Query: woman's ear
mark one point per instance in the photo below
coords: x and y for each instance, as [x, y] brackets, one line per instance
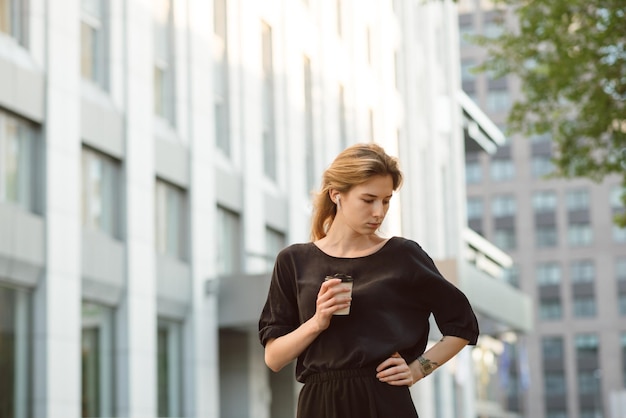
[332, 195]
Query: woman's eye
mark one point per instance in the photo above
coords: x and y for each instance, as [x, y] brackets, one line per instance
[385, 202]
[367, 201]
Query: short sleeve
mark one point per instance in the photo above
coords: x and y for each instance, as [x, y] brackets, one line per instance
[280, 313]
[450, 307]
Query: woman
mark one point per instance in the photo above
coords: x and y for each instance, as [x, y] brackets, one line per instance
[360, 365]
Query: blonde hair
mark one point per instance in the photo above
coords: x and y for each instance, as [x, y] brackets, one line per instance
[353, 166]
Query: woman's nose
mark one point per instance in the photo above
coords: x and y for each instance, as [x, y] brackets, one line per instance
[378, 209]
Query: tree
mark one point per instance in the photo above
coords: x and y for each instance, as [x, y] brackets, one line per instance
[570, 56]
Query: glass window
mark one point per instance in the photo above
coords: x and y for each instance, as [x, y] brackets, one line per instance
[267, 104]
[586, 344]
[220, 25]
[370, 118]
[505, 238]
[221, 79]
[554, 383]
[339, 17]
[101, 192]
[498, 100]
[473, 172]
[620, 275]
[582, 271]
[541, 165]
[616, 197]
[169, 368]
[544, 201]
[579, 234]
[550, 309]
[18, 162]
[619, 234]
[591, 412]
[97, 360]
[539, 138]
[493, 29]
[588, 382]
[621, 302]
[396, 68]
[15, 349]
[556, 413]
[473, 96]
[466, 70]
[274, 242]
[343, 130]
[368, 44]
[584, 306]
[502, 169]
[474, 207]
[228, 242]
[466, 31]
[308, 126]
[546, 236]
[164, 85]
[620, 268]
[503, 205]
[548, 273]
[623, 344]
[13, 19]
[511, 275]
[171, 227]
[221, 108]
[93, 42]
[552, 349]
[577, 199]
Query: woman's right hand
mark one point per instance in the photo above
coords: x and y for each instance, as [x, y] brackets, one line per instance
[331, 298]
[282, 350]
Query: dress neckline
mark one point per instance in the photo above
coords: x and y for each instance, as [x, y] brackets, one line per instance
[387, 241]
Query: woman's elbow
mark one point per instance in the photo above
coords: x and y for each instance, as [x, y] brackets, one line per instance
[272, 363]
[270, 360]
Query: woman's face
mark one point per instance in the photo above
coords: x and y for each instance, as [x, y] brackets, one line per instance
[364, 207]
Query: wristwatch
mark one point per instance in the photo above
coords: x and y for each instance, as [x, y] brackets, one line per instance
[426, 365]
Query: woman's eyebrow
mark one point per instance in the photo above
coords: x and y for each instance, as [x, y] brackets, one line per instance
[373, 195]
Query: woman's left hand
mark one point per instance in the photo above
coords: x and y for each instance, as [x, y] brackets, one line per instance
[395, 371]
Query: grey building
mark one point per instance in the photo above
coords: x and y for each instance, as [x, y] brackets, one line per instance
[568, 254]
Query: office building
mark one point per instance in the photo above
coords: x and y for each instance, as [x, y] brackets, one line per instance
[156, 155]
[568, 254]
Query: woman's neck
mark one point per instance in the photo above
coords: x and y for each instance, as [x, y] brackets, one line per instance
[342, 245]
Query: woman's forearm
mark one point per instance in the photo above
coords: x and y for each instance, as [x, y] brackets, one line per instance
[438, 354]
[283, 350]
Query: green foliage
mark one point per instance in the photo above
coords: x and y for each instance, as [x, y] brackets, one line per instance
[570, 56]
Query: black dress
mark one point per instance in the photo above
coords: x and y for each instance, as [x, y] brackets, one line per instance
[395, 290]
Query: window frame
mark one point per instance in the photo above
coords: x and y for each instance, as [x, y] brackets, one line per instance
[110, 188]
[98, 25]
[171, 239]
[26, 166]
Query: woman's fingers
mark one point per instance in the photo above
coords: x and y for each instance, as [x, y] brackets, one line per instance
[331, 295]
[331, 298]
[395, 371]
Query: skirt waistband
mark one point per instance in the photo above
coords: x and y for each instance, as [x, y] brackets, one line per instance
[341, 374]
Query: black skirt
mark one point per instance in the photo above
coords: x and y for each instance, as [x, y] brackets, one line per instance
[353, 394]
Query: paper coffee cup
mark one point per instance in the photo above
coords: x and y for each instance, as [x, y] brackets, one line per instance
[346, 281]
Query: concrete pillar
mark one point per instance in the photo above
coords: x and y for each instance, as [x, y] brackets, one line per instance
[136, 342]
[201, 341]
[57, 299]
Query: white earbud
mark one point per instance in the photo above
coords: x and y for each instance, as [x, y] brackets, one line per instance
[338, 202]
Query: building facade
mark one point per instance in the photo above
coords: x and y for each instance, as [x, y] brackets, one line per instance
[156, 155]
[568, 254]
